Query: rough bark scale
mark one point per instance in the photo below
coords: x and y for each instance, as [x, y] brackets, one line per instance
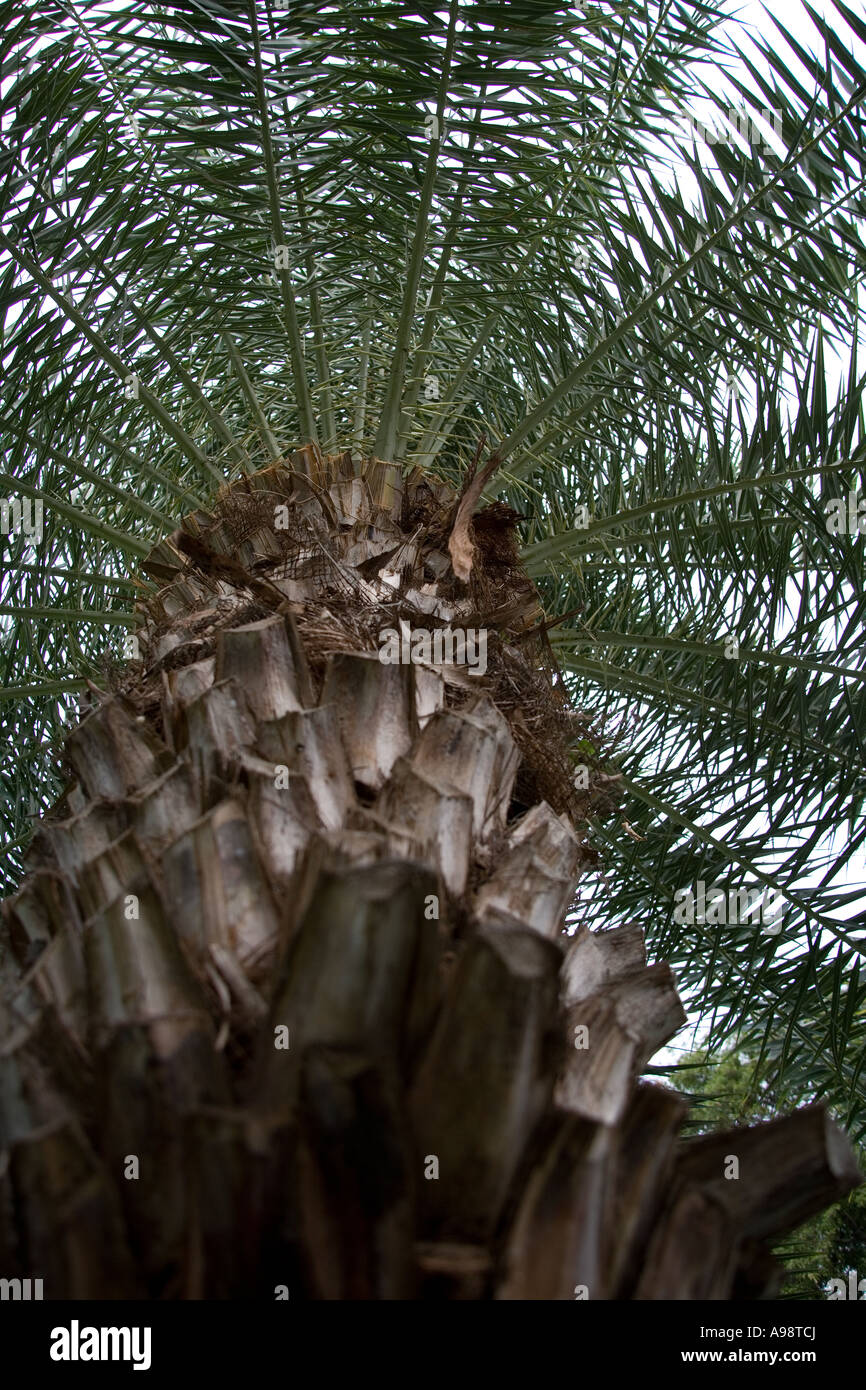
[271, 837]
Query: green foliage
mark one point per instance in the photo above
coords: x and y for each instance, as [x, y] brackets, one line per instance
[729, 1089]
[229, 227]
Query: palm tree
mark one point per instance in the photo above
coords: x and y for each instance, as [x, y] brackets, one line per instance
[321, 330]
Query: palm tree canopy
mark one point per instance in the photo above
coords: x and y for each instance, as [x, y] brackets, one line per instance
[423, 230]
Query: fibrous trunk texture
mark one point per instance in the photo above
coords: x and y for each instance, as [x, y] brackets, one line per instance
[288, 1008]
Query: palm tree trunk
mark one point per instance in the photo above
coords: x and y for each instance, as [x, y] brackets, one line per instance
[287, 1007]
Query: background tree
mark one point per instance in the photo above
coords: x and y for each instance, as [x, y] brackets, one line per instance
[728, 1090]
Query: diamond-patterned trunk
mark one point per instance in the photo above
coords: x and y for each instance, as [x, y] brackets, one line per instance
[287, 1002]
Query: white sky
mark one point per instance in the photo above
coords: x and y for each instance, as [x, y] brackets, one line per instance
[795, 18]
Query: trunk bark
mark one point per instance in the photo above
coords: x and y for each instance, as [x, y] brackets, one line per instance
[286, 1003]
